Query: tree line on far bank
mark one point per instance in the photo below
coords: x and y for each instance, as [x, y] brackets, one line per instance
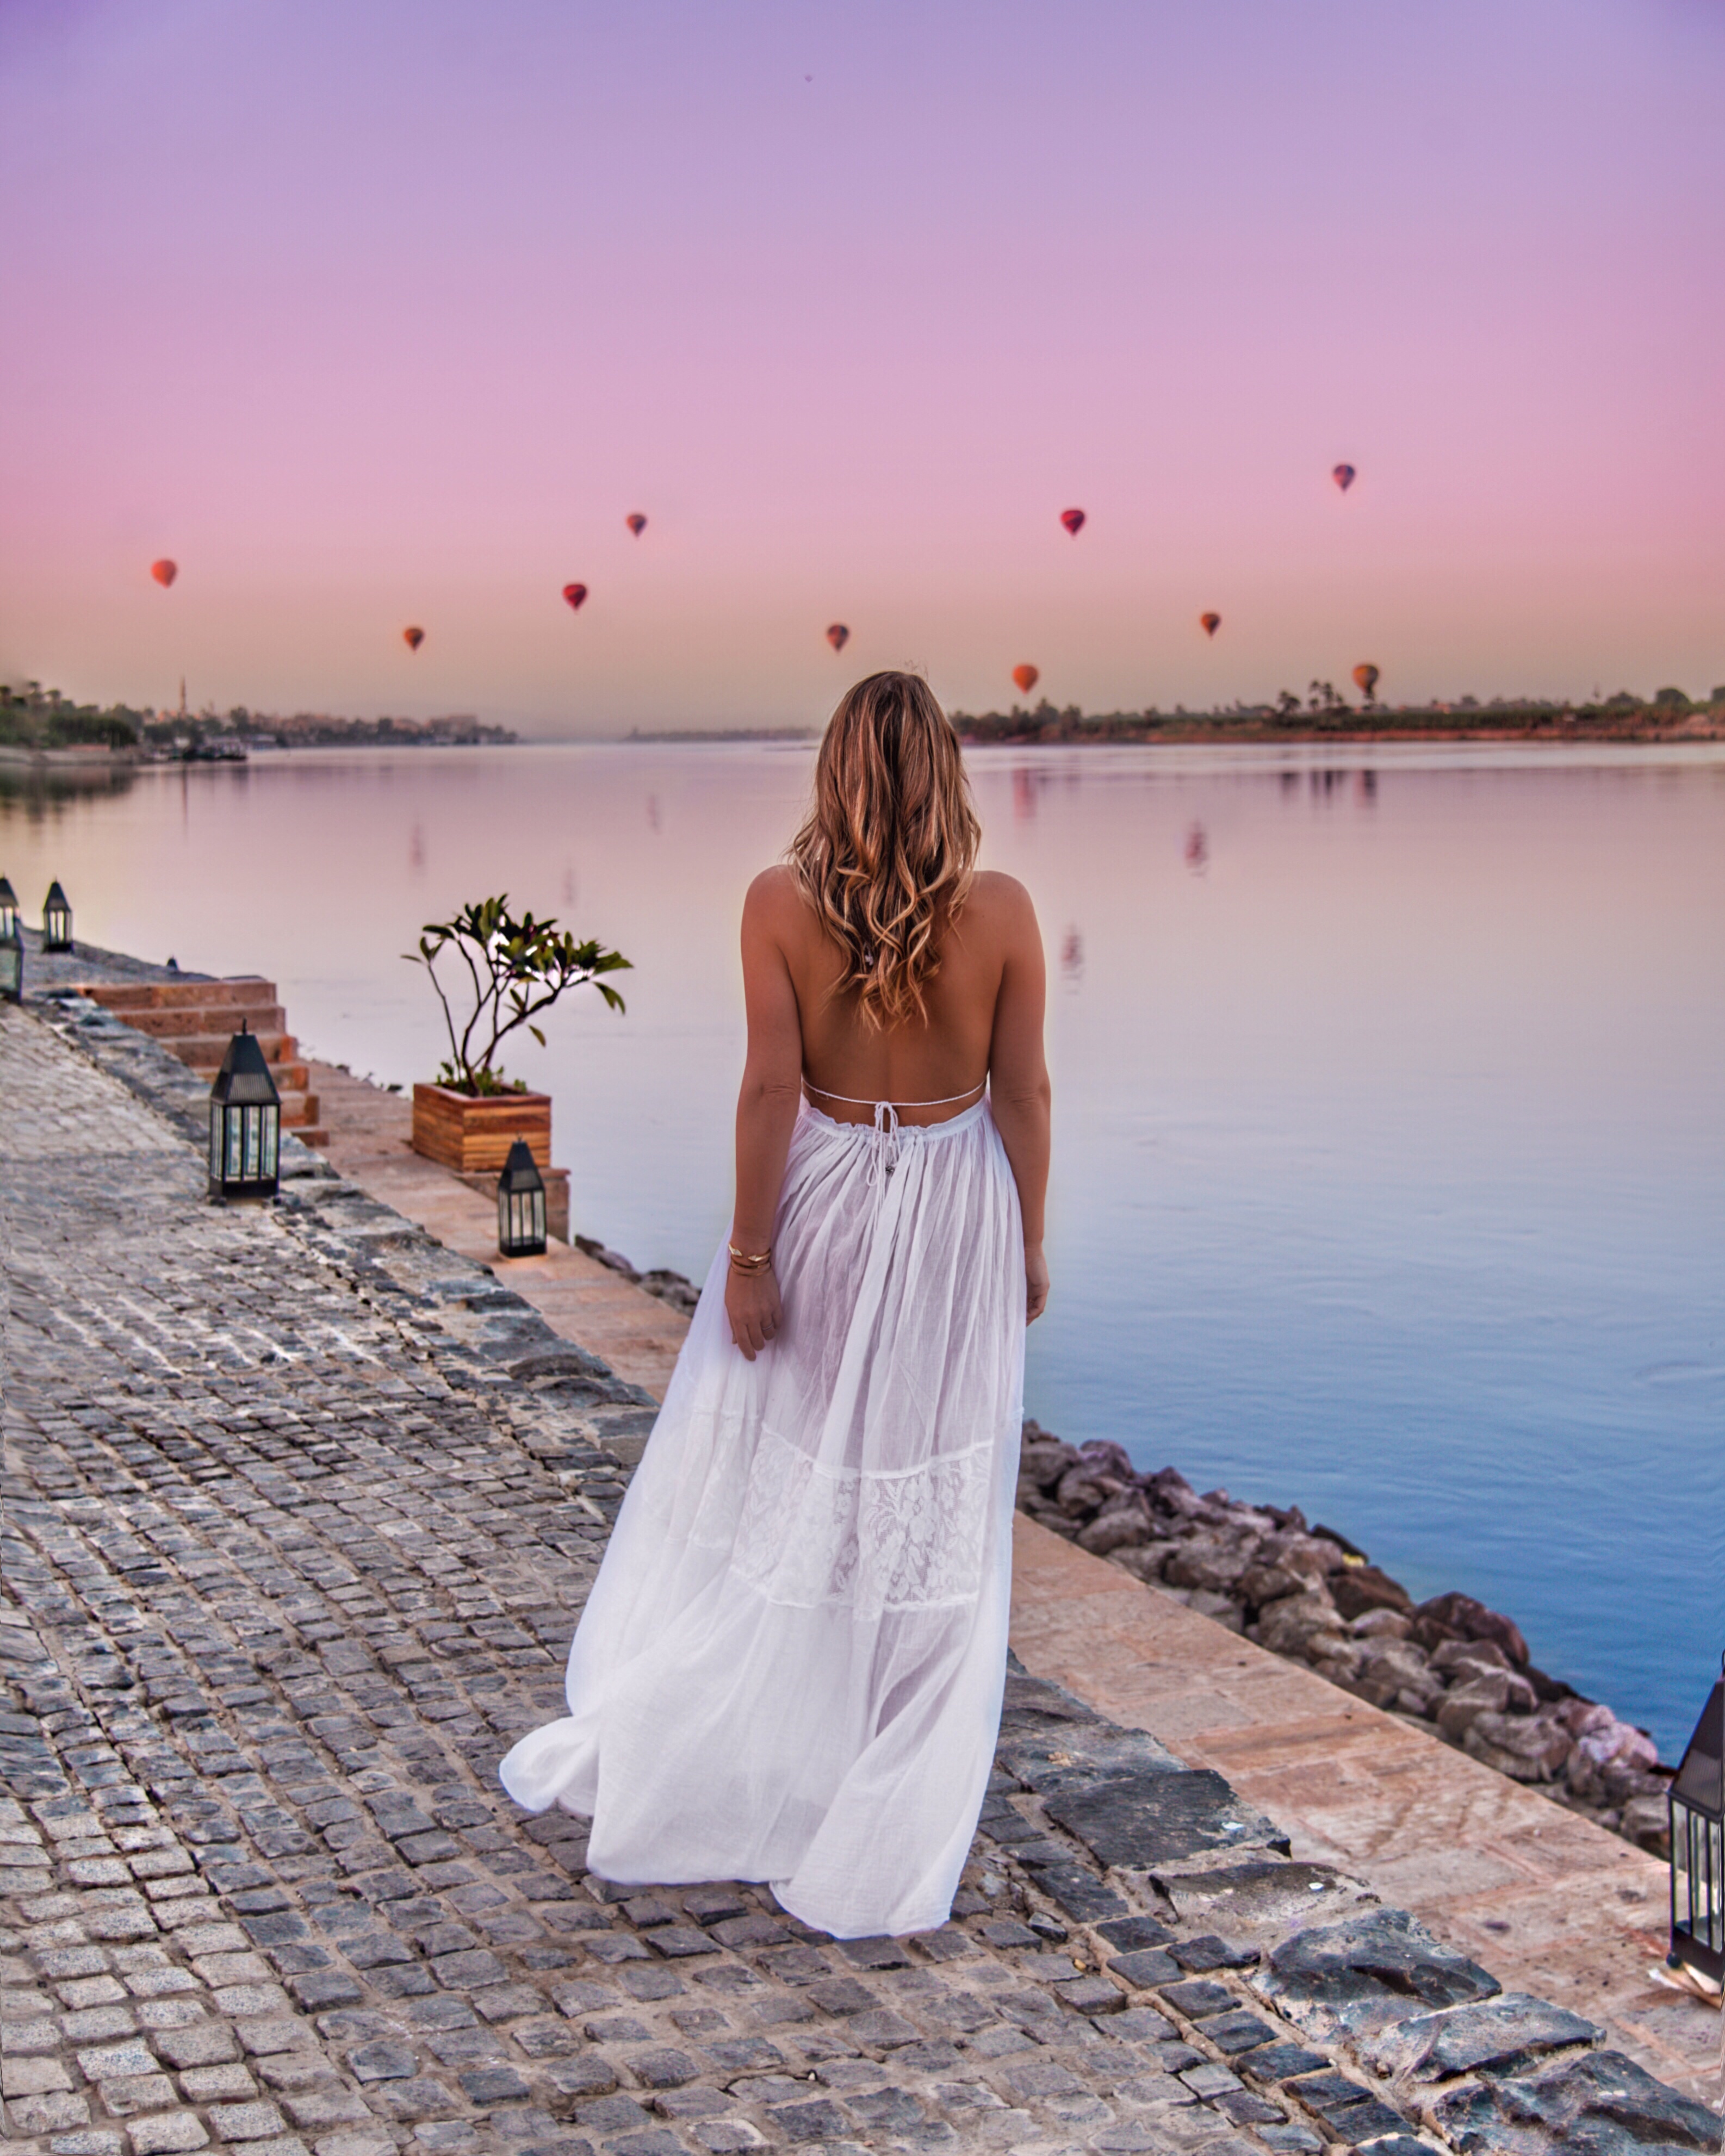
[34, 717]
[1324, 709]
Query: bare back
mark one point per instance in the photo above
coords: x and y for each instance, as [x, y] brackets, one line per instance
[984, 1006]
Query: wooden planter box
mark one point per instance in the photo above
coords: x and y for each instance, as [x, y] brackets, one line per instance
[474, 1136]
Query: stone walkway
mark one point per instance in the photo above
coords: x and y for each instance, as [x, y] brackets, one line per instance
[302, 1506]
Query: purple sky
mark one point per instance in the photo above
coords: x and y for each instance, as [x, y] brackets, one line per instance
[379, 311]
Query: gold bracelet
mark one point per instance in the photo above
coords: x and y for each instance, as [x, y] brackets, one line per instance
[743, 1262]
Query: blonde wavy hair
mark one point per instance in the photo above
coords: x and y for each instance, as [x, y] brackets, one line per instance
[887, 853]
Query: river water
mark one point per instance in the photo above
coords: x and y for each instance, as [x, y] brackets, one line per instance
[1389, 1152]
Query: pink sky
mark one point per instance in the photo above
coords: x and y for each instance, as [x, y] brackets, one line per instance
[379, 312]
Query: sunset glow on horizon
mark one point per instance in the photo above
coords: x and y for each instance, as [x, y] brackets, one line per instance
[385, 315]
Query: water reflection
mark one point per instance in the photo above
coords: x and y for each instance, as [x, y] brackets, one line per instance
[1198, 850]
[43, 793]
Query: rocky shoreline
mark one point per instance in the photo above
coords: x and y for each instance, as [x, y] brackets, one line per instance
[1449, 1665]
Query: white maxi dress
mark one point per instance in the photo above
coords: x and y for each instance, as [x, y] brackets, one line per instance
[791, 1664]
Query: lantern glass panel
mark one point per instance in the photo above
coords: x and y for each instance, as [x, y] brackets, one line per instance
[521, 1205]
[215, 1141]
[272, 1140]
[12, 968]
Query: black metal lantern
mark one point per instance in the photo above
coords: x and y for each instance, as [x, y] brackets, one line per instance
[11, 963]
[244, 1123]
[56, 919]
[1697, 1802]
[521, 1205]
[8, 908]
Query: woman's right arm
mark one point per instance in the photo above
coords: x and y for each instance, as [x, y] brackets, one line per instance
[1017, 1082]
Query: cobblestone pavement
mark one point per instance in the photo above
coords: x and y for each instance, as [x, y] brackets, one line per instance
[302, 1509]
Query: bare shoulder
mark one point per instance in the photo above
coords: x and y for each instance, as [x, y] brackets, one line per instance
[774, 900]
[775, 893]
[999, 906]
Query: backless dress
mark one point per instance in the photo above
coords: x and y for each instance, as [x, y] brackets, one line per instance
[790, 1666]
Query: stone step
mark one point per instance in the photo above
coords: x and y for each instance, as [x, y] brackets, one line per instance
[299, 1111]
[207, 1021]
[245, 991]
[203, 1052]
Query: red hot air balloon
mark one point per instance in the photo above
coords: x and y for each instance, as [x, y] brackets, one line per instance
[1209, 623]
[575, 595]
[1026, 677]
[1073, 518]
[636, 522]
[1343, 476]
[412, 638]
[838, 635]
[164, 572]
[1365, 680]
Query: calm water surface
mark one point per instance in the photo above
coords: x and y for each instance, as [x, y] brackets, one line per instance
[1390, 1169]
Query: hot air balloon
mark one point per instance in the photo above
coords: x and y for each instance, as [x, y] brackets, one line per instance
[164, 572]
[1026, 677]
[838, 635]
[1073, 518]
[575, 594]
[412, 638]
[636, 522]
[1365, 680]
[1209, 623]
[1343, 476]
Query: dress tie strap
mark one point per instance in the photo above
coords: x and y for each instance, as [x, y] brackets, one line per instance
[885, 1151]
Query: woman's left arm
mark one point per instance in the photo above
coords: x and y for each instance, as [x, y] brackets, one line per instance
[766, 1106]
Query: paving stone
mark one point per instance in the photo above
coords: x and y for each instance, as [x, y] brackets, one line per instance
[167, 2132]
[1501, 2034]
[819, 2121]
[1355, 1976]
[1599, 2102]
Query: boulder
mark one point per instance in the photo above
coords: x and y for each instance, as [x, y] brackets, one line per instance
[1462, 1618]
[1288, 1626]
[1581, 1718]
[1382, 1625]
[1262, 1583]
[1121, 1523]
[1169, 1491]
[1210, 1561]
[1358, 1587]
[1609, 1757]
[1491, 1692]
[1455, 1655]
[1080, 1493]
[1528, 1748]
[1397, 1665]
[1312, 1556]
[1044, 1460]
[1334, 1655]
[1103, 1457]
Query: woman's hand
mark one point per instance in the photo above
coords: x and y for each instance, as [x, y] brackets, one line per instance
[752, 1306]
[1035, 1282]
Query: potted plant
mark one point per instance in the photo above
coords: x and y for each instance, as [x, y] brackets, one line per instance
[516, 969]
